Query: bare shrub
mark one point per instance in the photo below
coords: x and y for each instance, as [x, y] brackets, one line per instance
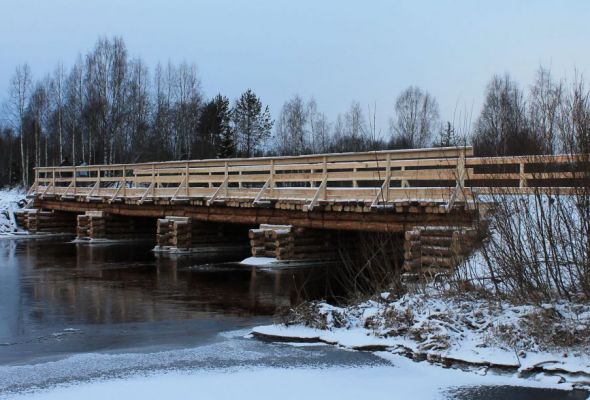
[307, 314]
[369, 263]
[539, 247]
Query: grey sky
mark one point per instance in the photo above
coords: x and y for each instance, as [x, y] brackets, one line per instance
[336, 51]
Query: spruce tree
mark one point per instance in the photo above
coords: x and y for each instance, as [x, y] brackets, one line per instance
[224, 141]
[252, 123]
[215, 126]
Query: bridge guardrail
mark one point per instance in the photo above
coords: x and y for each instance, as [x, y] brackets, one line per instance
[440, 175]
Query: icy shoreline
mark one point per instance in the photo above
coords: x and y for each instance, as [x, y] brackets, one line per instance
[451, 332]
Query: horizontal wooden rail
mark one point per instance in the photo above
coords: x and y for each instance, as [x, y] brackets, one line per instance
[443, 175]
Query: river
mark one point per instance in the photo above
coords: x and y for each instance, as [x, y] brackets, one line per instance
[74, 313]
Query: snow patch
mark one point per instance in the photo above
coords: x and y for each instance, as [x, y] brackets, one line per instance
[258, 261]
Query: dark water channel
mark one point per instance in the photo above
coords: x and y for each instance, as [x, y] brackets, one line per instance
[72, 312]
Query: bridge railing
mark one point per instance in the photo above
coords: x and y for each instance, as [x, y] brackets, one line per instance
[437, 175]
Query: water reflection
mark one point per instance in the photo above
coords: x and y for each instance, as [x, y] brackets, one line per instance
[126, 282]
[50, 286]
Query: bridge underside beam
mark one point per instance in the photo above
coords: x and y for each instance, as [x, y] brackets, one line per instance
[385, 221]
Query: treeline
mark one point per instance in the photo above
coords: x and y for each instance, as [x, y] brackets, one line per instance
[109, 108]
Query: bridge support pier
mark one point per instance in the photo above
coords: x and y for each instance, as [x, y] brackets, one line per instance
[429, 251]
[40, 221]
[285, 243]
[174, 233]
[184, 234]
[102, 225]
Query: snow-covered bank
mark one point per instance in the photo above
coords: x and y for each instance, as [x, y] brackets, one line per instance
[10, 201]
[528, 340]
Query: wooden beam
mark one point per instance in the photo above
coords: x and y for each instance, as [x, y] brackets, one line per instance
[459, 191]
[221, 187]
[257, 199]
[383, 192]
[46, 189]
[68, 188]
[321, 192]
[144, 195]
[113, 197]
[89, 195]
[184, 180]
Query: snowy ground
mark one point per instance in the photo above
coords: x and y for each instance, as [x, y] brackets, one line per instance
[400, 382]
[9, 202]
[453, 331]
[253, 370]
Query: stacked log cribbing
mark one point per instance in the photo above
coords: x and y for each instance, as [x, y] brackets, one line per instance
[284, 242]
[271, 241]
[429, 251]
[174, 232]
[41, 221]
[99, 225]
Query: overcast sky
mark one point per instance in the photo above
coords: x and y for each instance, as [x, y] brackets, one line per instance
[335, 51]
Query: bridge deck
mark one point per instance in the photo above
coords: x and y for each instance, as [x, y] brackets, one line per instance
[372, 178]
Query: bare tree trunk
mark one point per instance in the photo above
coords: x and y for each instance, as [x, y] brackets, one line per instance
[22, 157]
[74, 146]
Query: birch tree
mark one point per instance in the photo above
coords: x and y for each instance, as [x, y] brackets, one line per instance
[544, 101]
[502, 127]
[292, 128]
[19, 91]
[57, 95]
[416, 119]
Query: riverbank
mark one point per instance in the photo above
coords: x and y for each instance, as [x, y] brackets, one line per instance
[10, 200]
[531, 342]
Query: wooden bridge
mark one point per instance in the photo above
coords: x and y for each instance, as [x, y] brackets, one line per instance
[381, 191]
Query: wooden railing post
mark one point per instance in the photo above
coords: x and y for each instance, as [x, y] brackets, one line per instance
[458, 192]
[98, 181]
[271, 181]
[226, 178]
[74, 179]
[387, 178]
[153, 179]
[325, 178]
[53, 179]
[404, 182]
[124, 183]
[461, 170]
[187, 174]
[522, 176]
